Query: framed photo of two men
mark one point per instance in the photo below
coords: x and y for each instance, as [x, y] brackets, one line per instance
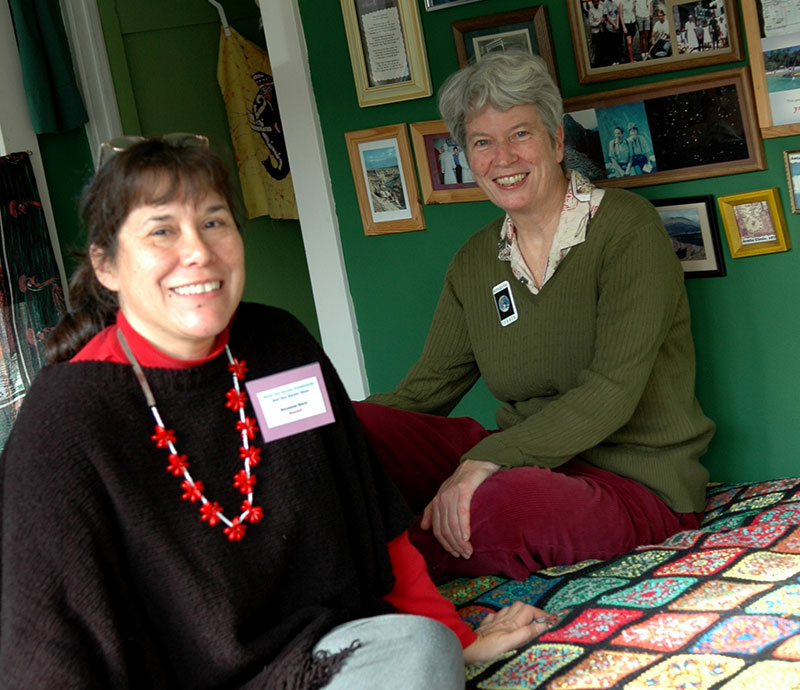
[614, 39]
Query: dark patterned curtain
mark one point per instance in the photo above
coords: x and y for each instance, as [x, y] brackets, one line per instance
[31, 295]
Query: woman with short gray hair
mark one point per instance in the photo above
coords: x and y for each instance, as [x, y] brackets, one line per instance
[572, 308]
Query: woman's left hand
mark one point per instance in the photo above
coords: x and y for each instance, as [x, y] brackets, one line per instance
[505, 630]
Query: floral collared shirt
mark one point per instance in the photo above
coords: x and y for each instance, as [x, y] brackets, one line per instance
[580, 205]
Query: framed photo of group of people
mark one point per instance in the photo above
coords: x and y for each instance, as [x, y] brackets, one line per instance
[680, 129]
[626, 38]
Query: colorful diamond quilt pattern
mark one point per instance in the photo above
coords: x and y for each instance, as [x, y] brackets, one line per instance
[650, 593]
[698, 672]
[665, 632]
[745, 634]
[532, 667]
[602, 669]
[717, 608]
[591, 626]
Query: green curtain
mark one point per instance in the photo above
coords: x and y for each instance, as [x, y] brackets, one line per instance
[54, 102]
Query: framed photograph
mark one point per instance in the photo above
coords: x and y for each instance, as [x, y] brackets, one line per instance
[526, 29]
[754, 223]
[380, 159]
[682, 129]
[444, 174]
[431, 5]
[387, 50]
[692, 226]
[792, 160]
[772, 28]
[612, 40]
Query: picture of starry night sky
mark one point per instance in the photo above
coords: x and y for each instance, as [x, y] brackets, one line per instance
[697, 128]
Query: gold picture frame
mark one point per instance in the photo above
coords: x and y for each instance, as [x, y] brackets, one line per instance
[754, 223]
[792, 161]
[387, 51]
[599, 59]
[441, 182]
[383, 173]
[782, 105]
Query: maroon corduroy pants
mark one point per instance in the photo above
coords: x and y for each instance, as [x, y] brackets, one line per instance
[522, 519]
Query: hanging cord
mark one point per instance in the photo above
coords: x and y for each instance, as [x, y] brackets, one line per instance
[222, 17]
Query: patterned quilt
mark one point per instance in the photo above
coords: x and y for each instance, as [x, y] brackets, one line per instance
[717, 607]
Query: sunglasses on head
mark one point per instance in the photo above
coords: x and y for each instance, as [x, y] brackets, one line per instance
[110, 148]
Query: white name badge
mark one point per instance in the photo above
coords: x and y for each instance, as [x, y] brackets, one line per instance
[291, 402]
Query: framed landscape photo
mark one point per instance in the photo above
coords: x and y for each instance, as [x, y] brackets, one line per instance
[754, 223]
[387, 50]
[612, 40]
[792, 160]
[431, 5]
[681, 129]
[692, 226]
[526, 29]
[444, 174]
[772, 28]
[388, 200]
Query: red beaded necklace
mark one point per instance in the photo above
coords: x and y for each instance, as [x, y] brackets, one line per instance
[178, 466]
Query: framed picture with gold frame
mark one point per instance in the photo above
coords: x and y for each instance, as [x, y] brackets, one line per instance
[792, 160]
[754, 223]
[675, 35]
[525, 29]
[388, 199]
[444, 174]
[387, 50]
[773, 45]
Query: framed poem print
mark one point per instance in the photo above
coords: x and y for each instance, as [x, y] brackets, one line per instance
[525, 29]
[792, 160]
[387, 50]
[615, 40]
[380, 159]
[692, 226]
[772, 28]
[444, 174]
[754, 223]
[431, 5]
[682, 129]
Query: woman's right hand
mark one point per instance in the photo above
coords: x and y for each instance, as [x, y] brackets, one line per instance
[505, 630]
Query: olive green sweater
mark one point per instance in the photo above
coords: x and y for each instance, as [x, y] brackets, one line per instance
[599, 365]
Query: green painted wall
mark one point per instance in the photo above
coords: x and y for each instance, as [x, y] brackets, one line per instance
[164, 63]
[746, 326]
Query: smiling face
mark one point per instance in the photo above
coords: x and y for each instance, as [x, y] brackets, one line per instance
[513, 159]
[178, 271]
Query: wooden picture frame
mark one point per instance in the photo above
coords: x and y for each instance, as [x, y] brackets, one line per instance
[444, 176]
[526, 29]
[754, 223]
[697, 127]
[431, 5]
[388, 199]
[778, 106]
[387, 50]
[692, 226]
[605, 54]
[792, 162]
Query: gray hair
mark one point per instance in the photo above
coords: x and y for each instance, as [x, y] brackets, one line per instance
[501, 80]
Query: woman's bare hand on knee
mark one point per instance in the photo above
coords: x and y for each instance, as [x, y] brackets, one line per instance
[507, 629]
[448, 513]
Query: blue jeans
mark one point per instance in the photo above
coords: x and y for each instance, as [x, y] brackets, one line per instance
[397, 652]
